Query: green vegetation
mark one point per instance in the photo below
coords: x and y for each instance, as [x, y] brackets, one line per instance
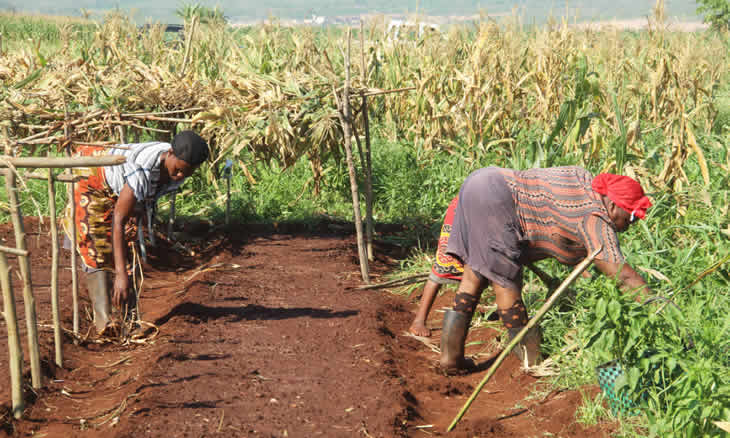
[716, 13]
[655, 105]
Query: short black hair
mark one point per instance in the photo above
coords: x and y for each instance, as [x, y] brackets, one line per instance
[190, 147]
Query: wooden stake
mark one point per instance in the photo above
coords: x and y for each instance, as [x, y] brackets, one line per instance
[369, 227]
[15, 353]
[345, 116]
[62, 178]
[72, 238]
[61, 162]
[74, 269]
[57, 330]
[28, 298]
[531, 323]
[14, 251]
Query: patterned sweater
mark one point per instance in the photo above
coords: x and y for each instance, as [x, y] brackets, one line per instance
[561, 216]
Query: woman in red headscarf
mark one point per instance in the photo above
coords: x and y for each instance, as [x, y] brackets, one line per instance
[507, 218]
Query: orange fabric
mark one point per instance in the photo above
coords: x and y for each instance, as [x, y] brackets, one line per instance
[446, 266]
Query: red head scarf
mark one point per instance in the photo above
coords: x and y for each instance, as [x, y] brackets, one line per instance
[624, 192]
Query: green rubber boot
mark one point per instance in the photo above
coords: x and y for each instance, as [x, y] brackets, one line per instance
[98, 285]
[453, 335]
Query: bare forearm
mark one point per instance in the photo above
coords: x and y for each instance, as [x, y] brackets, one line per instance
[119, 245]
[629, 280]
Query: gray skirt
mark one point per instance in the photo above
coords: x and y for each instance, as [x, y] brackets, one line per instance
[486, 233]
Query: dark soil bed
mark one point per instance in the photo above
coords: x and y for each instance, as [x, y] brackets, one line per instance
[270, 340]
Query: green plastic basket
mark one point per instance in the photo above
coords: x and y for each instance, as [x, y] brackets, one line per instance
[608, 374]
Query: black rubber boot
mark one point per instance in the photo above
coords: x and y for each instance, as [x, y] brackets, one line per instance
[98, 285]
[528, 349]
[453, 335]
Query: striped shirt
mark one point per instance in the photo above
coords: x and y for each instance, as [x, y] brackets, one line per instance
[141, 171]
[561, 216]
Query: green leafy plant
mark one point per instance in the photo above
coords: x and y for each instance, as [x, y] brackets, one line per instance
[716, 13]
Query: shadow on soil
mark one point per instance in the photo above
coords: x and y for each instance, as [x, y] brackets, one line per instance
[203, 313]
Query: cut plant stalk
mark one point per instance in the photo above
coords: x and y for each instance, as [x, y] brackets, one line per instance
[61, 162]
[531, 323]
[15, 352]
[369, 227]
[57, 330]
[345, 116]
[28, 298]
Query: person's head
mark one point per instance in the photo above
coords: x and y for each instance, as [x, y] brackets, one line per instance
[623, 197]
[188, 152]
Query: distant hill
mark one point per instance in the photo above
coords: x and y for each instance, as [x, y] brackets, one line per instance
[246, 10]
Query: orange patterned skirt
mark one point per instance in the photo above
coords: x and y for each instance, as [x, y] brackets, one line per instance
[446, 269]
[91, 210]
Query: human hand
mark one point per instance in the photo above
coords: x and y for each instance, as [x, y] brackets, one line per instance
[121, 288]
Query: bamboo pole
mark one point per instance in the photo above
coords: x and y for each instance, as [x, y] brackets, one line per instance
[531, 323]
[28, 298]
[57, 336]
[346, 119]
[74, 268]
[62, 178]
[15, 353]
[61, 162]
[369, 229]
[14, 251]
[72, 238]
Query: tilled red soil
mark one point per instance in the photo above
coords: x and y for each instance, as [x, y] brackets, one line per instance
[263, 334]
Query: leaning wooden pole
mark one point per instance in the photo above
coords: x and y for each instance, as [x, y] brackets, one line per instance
[57, 334]
[531, 323]
[346, 119]
[15, 352]
[28, 298]
[369, 226]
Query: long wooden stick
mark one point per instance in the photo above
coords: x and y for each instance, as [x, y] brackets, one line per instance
[62, 178]
[57, 333]
[531, 323]
[369, 225]
[346, 119]
[28, 298]
[62, 162]
[14, 251]
[15, 353]
[72, 237]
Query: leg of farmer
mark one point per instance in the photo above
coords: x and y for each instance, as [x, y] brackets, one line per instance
[513, 313]
[445, 270]
[418, 326]
[97, 283]
[457, 320]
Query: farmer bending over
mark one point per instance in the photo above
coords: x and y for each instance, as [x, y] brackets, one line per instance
[507, 218]
[106, 197]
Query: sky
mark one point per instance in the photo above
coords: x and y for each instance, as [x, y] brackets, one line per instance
[244, 10]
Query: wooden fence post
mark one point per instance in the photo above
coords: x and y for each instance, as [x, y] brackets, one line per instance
[15, 352]
[369, 226]
[57, 335]
[74, 271]
[345, 116]
[28, 298]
